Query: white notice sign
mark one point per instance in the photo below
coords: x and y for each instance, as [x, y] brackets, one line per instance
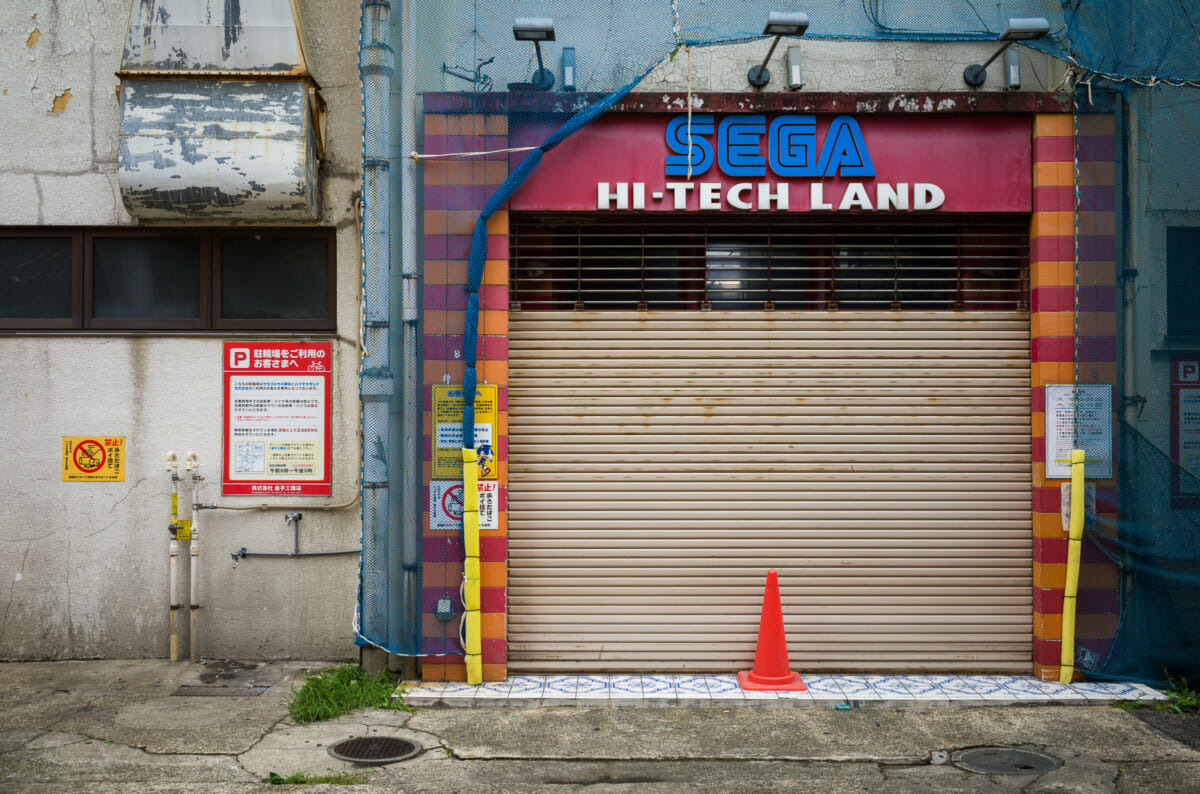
[1080, 415]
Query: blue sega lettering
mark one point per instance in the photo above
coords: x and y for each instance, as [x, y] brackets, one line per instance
[791, 146]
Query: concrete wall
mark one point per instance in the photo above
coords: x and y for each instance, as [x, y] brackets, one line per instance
[83, 566]
[849, 66]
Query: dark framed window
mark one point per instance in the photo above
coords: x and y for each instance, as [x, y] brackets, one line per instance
[168, 279]
[1183, 281]
[670, 261]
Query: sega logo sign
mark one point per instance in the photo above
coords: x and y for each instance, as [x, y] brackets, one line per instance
[792, 147]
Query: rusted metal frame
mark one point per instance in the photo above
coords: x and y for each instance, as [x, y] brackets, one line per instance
[865, 102]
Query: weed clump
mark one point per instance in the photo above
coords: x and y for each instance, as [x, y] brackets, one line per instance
[329, 694]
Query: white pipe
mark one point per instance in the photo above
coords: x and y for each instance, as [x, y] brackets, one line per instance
[194, 549]
[173, 555]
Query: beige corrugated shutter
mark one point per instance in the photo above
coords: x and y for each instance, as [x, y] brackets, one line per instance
[661, 462]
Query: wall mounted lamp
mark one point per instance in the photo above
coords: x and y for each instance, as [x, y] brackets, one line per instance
[536, 30]
[779, 24]
[1015, 29]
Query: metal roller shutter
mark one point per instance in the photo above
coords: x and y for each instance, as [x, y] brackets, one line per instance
[661, 461]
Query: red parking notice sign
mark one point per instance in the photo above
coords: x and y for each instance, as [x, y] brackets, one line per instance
[278, 410]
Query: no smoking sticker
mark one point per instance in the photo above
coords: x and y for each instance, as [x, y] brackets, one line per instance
[446, 505]
[93, 458]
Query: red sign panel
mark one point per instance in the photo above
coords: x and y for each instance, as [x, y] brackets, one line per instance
[798, 163]
[1185, 430]
[278, 411]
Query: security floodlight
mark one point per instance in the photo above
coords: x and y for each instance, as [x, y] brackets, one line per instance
[536, 30]
[779, 24]
[1015, 29]
[529, 29]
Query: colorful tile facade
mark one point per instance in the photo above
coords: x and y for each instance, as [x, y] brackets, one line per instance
[1057, 355]
[455, 191]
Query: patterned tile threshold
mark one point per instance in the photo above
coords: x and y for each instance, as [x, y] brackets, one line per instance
[827, 691]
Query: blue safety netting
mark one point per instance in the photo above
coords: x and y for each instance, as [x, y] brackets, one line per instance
[1155, 546]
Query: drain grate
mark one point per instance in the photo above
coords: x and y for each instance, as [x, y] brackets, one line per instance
[374, 750]
[219, 691]
[1005, 761]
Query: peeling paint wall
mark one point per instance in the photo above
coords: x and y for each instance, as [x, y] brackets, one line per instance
[83, 566]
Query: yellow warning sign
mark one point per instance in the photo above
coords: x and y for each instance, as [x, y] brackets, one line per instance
[448, 408]
[183, 530]
[93, 458]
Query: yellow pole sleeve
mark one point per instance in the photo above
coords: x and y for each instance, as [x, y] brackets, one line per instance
[472, 640]
[1067, 660]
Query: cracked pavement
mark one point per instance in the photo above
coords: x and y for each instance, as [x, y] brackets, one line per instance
[109, 726]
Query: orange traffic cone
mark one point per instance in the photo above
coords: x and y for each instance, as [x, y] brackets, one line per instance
[770, 657]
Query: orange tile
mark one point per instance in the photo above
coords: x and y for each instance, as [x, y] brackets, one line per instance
[494, 574]
[433, 672]
[1053, 174]
[437, 124]
[456, 672]
[437, 371]
[1052, 224]
[1051, 274]
[1097, 173]
[1097, 372]
[445, 322]
[1048, 372]
[456, 172]
[445, 271]
[1052, 324]
[1096, 124]
[1097, 576]
[1097, 223]
[1097, 273]
[501, 527]
[498, 223]
[1046, 672]
[435, 222]
[495, 672]
[1096, 627]
[493, 372]
[495, 271]
[502, 423]
[493, 322]
[1037, 420]
[1053, 125]
[1048, 525]
[440, 574]
[494, 124]
[492, 625]
[1047, 575]
[1047, 627]
[460, 222]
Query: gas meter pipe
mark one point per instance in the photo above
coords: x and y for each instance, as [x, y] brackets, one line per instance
[173, 555]
[194, 580]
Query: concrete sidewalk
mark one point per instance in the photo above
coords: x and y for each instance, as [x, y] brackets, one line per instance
[109, 726]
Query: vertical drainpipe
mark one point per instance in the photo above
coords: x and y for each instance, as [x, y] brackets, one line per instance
[379, 605]
[403, 448]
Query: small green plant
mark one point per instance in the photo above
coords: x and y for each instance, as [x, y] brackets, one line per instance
[1181, 699]
[334, 778]
[340, 690]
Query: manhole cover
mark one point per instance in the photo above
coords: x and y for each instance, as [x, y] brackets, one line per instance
[1005, 761]
[373, 750]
